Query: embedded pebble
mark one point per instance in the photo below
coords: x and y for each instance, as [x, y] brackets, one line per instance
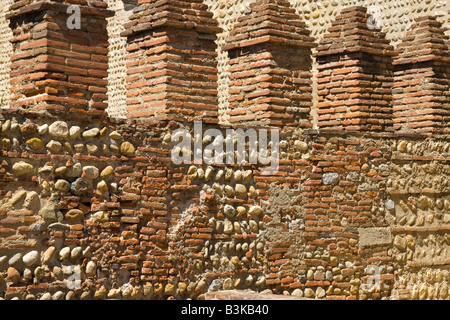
[107, 172]
[64, 253]
[255, 210]
[15, 259]
[13, 275]
[115, 135]
[76, 253]
[91, 268]
[17, 197]
[74, 215]
[102, 186]
[240, 190]
[229, 211]
[300, 145]
[330, 178]
[48, 254]
[34, 143]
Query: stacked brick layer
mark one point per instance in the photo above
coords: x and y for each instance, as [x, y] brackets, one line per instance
[270, 67]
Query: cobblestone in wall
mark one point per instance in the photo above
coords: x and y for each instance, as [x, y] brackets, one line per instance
[394, 18]
[417, 210]
[55, 67]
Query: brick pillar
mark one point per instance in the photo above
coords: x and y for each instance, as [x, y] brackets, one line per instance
[270, 67]
[421, 74]
[355, 75]
[55, 68]
[172, 61]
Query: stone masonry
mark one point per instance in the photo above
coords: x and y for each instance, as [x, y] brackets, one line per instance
[93, 206]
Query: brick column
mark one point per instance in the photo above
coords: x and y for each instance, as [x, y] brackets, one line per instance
[355, 75]
[347, 186]
[421, 74]
[270, 67]
[55, 68]
[172, 61]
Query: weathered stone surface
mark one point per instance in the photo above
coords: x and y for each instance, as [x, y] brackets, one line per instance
[400, 242]
[58, 129]
[42, 129]
[15, 259]
[374, 236]
[22, 168]
[91, 148]
[127, 149]
[62, 185]
[229, 211]
[90, 172]
[13, 275]
[28, 128]
[102, 186]
[100, 293]
[34, 143]
[59, 226]
[74, 132]
[64, 253]
[74, 171]
[81, 186]
[54, 146]
[292, 232]
[115, 135]
[103, 216]
[255, 211]
[17, 197]
[240, 210]
[300, 145]
[74, 215]
[91, 133]
[107, 172]
[6, 143]
[48, 254]
[309, 293]
[240, 190]
[91, 269]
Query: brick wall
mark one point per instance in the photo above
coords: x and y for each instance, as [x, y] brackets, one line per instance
[100, 200]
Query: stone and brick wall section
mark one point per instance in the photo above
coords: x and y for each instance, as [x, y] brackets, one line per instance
[99, 200]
